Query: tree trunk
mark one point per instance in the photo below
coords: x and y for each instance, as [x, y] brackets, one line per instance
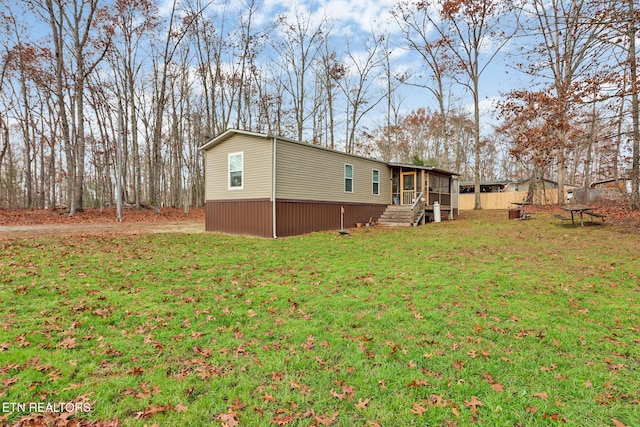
[80, 144]
[635, 164]
[590, 146]
[55, 22]
[476, 148]
[5, 136]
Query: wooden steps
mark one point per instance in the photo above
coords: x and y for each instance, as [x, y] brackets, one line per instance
[396, 216]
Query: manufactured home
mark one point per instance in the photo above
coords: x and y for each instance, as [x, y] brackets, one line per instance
[264, 185]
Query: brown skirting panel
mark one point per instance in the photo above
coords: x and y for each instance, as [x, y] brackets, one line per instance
[254, 217]
[303, 216]
[250, 217]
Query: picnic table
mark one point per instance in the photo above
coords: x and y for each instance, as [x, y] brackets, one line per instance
[577, 209]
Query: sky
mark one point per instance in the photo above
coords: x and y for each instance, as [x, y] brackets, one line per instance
[354, 20]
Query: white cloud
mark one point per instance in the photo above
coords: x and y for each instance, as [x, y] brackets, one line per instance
[347, 15]
[165, 7]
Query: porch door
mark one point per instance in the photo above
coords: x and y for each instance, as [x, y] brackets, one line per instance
[408, 187]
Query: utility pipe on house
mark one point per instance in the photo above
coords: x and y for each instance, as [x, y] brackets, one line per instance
[273, 190]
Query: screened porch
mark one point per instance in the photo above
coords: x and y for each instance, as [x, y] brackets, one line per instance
[410, 183]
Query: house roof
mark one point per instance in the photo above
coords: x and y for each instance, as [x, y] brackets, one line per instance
[494, 182]
[231, 132]
[508, 182]
[427, 168]
[566, 184]
[228, 134]
[607, 181]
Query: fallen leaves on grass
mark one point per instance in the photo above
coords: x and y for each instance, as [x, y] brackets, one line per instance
[145, 391]
[473, 404]
[152, 410]
[268, 398]
[228, 419]
[347, 391]
[418, 383]
[435, 400]
[497, 387]
[136, 371]
[202, 330]
[418, 409]
[554, 417]
[362, 404]
[68, 343]
[9, 381]
[326, 420]
[63, 415]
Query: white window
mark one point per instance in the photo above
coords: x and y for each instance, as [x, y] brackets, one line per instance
[236, 171]
[348, 178]
[375, 180]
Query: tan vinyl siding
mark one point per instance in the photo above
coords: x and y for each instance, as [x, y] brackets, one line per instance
[310, 173]
[257, 174]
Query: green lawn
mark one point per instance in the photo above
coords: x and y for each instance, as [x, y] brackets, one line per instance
[479, 320]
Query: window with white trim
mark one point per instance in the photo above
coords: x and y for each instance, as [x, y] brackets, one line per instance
[348, 178]
[236, 171]
[375, 181]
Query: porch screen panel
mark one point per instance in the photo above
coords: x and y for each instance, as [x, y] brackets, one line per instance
[434, 183]
[445, 191]
[395, 186]
[440, 190]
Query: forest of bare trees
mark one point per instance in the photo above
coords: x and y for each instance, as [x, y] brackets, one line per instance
[97, 92]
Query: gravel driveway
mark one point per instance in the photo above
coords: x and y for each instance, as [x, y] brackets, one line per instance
[25, 231]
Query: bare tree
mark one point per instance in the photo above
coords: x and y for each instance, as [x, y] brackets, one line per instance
[133, 22]
[298, 51]
[330, 71]
[635, 109]
[20, 56]
[474, 32]
[77, 54]
[384, 140]
[250, 43]
[417, 29]
[4, 137]
[175, 33]
[364, 69]
[209, 46]
[474, 24]
[569, 48]
[6, 22]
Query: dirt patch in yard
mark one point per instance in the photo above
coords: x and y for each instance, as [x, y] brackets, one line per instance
[25, 223]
